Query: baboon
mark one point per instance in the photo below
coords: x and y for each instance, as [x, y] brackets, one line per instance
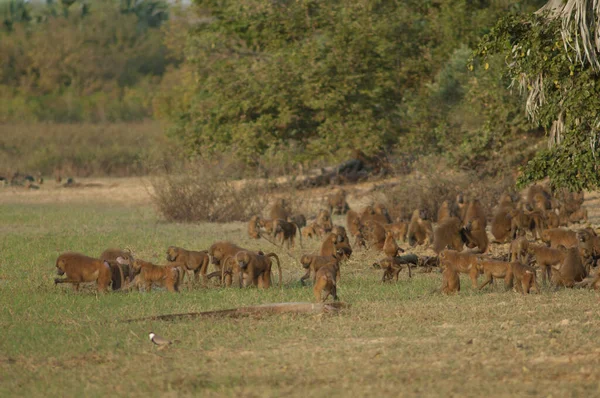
[374, 234]
[579, 215]
[419, 229]
[501, 224]
[390, 247]
[545, 257]
[393, 265]
[218, 253]
[195, 261]
[285, 232]
[450, 279]
[537, 195]
[494, 269]
[570, 270]
[324, 220]
[298, 219]
[475, 235]
[378, 213]
[592, 282]
[506, 201]
[332, 243]
[337, 202]
[257, 268]
[80, 268]
[448, 233]
[475, 212]
[353, 222]
[559, 236]
[541, 202]
[398, 230]
[524, 277]
[339, 230]
[519, 249]
[551, 219]
[443, 212]
[254, 227]
[279, 210]
[267, 225]
[120, 272]
[522, 221]
[325, 283]
[312, 231]
[148, 274]
[359, 241]
[465, 263]
[312, 263]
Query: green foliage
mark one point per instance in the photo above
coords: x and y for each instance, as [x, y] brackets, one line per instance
[564, 97]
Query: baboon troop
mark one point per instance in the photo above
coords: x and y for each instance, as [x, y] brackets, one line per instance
[527, 235]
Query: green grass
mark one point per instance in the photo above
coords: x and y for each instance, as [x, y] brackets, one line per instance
[396, 339]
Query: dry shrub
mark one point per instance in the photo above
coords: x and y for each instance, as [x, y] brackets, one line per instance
[433, 182]
[197, 192]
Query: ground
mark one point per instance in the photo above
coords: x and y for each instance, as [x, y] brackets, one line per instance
[397, 339]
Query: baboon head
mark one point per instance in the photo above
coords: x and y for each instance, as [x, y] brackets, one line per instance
[172, 253]
[305, 261]
[59, 269]
[243, 259]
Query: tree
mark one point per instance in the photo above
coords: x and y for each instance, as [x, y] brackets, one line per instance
[552, 56]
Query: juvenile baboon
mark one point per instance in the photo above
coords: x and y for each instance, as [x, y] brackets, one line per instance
[285, 232]
[279, 210]
[254, 227]
[195, 261]
[353, 222]
[559, 236]
[570, 270]
[551, 219]
[475, 235]
[374, 234]
[390, 247]
[393, 265]
[506, 201]
[545, 257]
[312, 263]
[325, 283]
[398, 230]
[120, 272]
[80, 269]
[465, 263]
[339, 230]
[448, 233]
[419, 229]
[443, 212]
[324, 220]
[298, 219]
[524, 277]
[519, 249]
[312, 231]
[450, 279]
[267, 225]
[337, 202]
[494, 269]
[256, 267]
[148, 274]
[522, 221]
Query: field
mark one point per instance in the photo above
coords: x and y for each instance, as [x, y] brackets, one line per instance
[395, 339]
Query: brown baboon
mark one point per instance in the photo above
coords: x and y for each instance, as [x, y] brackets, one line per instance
[505, 201]
[374, 234]
[501, 224]
[537, 195]
[148, 274]
[312, 263]
[475, 212]
[312, 231]
[256, 268]
[551, 219]
[475, 235]
[195, 261]
[337, 202]
[390, 247]
[298, 219]
[448, 233]
[522, 221]
[570, 270]
[377, 213]
[219, 252]
[279, 210]
[419, 229]
[559, 236]
[325, 282]
[80, 269]
[398, 230]
[443, 211]
[339, 230]
[324, 220]
[393, 265]
[465, 263]
[579, 215]
[592, 282]
[359, 241]
[519, 249]
[120, 273]
[541, 202]
[494, 269]
[253, 227]
[545, 257]
[332, 243]
[450, 279]
[353, 222]
[267, 225]
[285, 232]
[524, 277]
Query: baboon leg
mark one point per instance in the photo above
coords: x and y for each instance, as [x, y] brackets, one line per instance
[508, 281]
[488, 279]
[305, 277]
[473, 275]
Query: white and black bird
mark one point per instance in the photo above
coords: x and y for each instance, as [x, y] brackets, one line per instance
[159, 341]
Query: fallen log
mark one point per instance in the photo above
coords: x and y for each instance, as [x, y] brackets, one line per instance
[277, 308]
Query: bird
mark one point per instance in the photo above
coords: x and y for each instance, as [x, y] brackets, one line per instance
[159, 341]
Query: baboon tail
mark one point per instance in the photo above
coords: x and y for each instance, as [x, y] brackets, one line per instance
[278, 266]
[117, 276]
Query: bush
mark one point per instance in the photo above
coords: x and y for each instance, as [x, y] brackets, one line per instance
[201, 192]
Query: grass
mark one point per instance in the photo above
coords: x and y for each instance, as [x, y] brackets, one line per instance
[396, 339]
